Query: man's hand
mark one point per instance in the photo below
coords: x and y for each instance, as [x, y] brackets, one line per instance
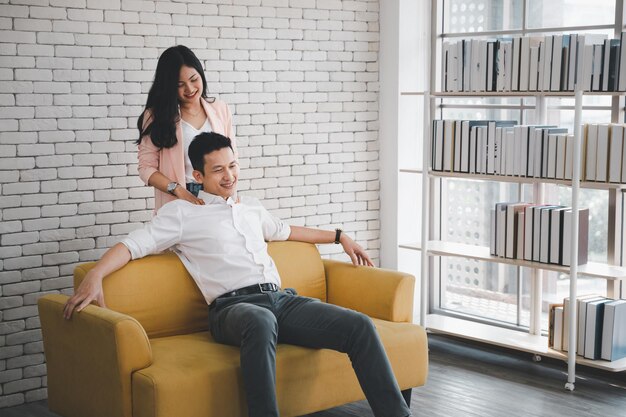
[89, 290]
[355, 251]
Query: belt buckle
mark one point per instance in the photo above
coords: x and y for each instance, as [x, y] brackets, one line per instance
[261, 288]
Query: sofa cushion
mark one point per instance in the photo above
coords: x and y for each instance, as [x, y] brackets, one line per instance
[193, 376]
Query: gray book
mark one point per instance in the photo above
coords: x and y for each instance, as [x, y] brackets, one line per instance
[593, 328]
[582, 323]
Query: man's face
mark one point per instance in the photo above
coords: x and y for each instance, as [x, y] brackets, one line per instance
[221, 172]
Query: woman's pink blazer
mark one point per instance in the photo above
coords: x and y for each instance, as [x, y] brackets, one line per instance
[171, 161]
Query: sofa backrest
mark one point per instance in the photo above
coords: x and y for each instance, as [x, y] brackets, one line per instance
[159, 293]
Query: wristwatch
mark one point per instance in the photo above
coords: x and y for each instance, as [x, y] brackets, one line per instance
[337, 235]
[171, 187]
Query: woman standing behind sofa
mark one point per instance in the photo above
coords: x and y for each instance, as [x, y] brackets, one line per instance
[176, 111]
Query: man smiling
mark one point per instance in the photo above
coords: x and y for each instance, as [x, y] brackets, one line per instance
[223, 246]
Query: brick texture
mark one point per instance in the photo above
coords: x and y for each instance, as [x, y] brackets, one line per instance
[301, 78]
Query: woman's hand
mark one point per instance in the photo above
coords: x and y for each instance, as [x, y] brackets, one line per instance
[89, 290]
[182, 193]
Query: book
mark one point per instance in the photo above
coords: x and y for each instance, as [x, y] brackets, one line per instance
[616, 139]
[533, 68]
[547, 65]
[508, 138]
[491, 66]
[596, 72]
[556, 235]
[528, 232]
[545, 230]
[444, 69]
[621, 84]
[593, 328]
[568, 172]
[512, 211]
[602, 153]
[582, 323]
[448, 144]
[437, 146]
[551, 156]
[613, 346]
[508, 64]
[613, 70]
[494, 233]
[467, 64]
[565, 52]
[583, 236]
[606, 59]
[520, 237]
[477, 63]
[501, 229]
[517, 46]
[524, 64]
[557, 57]
[566, 307]
[560, 156]
[572, 64]
[551, 316]
[558, 328]
[591, 140]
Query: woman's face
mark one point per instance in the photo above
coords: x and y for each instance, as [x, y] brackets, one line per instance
[189, 85]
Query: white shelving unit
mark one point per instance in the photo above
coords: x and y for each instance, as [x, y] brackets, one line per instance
[615, 276]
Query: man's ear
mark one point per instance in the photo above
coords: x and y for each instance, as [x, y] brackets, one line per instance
[197, 175]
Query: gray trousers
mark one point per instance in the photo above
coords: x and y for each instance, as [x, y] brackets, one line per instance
[256, 323]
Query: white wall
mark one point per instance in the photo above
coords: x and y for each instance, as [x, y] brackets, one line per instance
[301, 77]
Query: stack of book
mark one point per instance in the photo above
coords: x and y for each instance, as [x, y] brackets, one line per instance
[501, 148]
[600, 327]
[604, 153]
[531, 63]
[539, 233]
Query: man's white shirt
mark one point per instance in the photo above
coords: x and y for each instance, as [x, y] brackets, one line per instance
[222, 243]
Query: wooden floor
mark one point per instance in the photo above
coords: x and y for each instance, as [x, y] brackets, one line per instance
[475, 380]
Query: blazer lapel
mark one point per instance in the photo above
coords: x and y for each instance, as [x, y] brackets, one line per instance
[214, 119]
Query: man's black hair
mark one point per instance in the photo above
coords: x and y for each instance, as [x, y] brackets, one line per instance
[203, 144]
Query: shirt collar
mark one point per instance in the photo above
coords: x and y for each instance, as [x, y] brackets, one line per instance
[215, 199]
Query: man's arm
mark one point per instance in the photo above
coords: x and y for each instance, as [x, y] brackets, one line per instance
[353, 249]
[91, 287]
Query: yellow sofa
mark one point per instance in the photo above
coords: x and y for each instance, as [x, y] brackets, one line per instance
[150, 353]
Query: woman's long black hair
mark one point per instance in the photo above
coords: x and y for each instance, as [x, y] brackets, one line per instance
[163, 96]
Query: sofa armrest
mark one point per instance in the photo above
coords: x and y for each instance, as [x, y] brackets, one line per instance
[379, 293]
[91, 358]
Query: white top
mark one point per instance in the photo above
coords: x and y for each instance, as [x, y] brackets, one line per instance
[189, 133]
[222, 243]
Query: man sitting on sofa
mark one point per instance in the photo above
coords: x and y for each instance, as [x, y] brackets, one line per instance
[223, 246]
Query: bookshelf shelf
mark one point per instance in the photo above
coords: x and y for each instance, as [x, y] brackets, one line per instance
[505, 94]
[593, 269]
[523, 180]
[510, 339]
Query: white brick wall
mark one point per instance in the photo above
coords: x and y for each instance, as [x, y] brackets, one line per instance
[301, 77]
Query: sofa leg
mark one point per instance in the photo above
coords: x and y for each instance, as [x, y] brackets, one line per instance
[407, 396]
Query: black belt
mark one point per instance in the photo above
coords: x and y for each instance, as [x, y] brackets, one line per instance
[252, 289]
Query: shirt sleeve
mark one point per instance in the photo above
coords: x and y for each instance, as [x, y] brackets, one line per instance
[273, 228]
[161, 233]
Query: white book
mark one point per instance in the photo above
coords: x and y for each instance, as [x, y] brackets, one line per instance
[444, 68]
[528, 232]
[547, 68]
[566, 307]
[583, 236]
[533, 68]
[621, 82]
[597, 68]
[587, 67]
[460, 63]
[518, 155]
[498, 152]
[437, 145]
[602, 153]
[480, 149]
[560, 156]
[503, 152]
[457, 145]
[571, 65]
[491, 57]
[590, 152]
[517, 43]
[476, 65]
[615, 154]
[523, 155]
[493, 232]
[484, 62]
[557, 56]
[484, 133]
[530, 169]
[544, 246]
[552, 156]
[593, 328]
[524, 63]
[508, 136]
[606, 57]
[538, 152]
[613, 335]
[472, 151]
[448, 148]
[569, 157]
[541, 65]
[558, 328]
[582, 323]
[520, 235]
[508, 64]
